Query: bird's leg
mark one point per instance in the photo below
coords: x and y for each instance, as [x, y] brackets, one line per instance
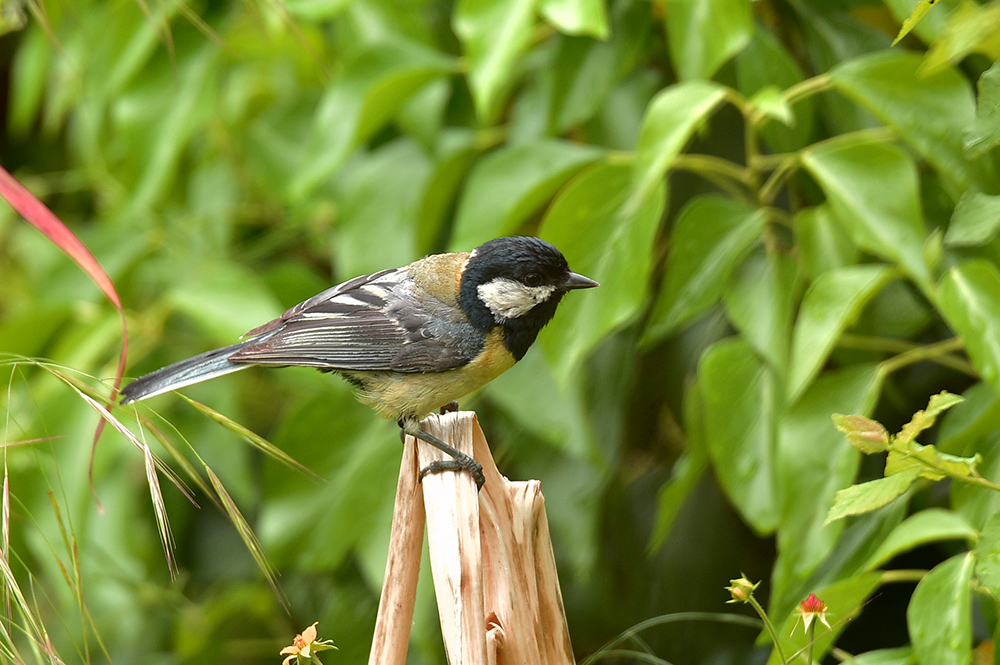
[460, 462]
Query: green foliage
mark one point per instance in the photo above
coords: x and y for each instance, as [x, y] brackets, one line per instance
[789, 217]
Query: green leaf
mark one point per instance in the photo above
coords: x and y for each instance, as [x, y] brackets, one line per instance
[976, 416]
[577, 17]
[940, 613]
[770, 102]
[844, 599]
[927, 526]
[739, 396]
[28, 68]
[987, 553]
[823, 245]
[866, 497]
[584, 222]
[971, 28]
[984, 133]
[976, 503]
[372, 88]
[550, 410]
[896, 656]
[671, 118]
[764, 68]
[969, 299]
[315, 10]
[760, 299]
[919, 12]
[318, 529]
[830, 305]
[813, 462]
[456, 153]
[583, 70]
[923, 420]
[704, 34]
[687, 471]
[710, 237]
[929, 461]
[975, 221]
[855, 177]
[191, 103]
[932, 23]
[865, 434]
[380, 194]
[890, 85]
[493, 34]
[512, 183]
[225, 299]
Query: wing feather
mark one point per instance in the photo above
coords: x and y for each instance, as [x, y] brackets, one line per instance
[378, 322]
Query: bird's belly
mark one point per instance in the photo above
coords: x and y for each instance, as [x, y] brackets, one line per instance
[399, 394]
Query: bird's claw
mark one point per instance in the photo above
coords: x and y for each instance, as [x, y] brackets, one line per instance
[466, 463]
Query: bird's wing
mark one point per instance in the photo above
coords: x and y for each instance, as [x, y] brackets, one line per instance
[374, 322]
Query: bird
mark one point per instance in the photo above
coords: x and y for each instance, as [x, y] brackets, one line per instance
[409, 340]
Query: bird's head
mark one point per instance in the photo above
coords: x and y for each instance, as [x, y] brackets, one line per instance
[516, 283]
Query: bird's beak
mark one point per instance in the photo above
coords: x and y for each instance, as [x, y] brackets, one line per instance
[575, 281]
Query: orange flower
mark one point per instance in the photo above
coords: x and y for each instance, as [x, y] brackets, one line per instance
[305, 646]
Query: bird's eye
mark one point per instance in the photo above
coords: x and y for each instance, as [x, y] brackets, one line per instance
[532, 279]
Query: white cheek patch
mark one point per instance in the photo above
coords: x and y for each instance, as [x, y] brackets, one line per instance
[509, 299]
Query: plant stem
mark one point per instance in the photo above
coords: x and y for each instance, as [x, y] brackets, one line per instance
[979, 480]
[770, 627]
[711, 164]
[776, 179]
[808, 88]
[936, 352]
[902, 575]
[720, 172]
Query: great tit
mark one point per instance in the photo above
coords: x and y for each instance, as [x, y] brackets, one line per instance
[409, 339]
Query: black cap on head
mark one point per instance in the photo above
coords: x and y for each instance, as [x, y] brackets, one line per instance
[529, 261]
[516, 257]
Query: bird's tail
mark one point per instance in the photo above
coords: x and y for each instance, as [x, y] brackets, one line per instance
[193, 370]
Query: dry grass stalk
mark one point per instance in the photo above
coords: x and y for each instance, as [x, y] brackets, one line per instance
[491, 558]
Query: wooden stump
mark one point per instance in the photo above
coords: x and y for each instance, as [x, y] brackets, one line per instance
[491, 559]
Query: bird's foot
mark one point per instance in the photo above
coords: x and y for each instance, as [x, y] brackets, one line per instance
[463, 463]
[460, 461]
[450, 407]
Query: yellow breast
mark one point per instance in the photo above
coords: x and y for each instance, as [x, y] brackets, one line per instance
[397, 394]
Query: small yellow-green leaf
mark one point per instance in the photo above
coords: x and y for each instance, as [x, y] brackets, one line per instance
[929, 461]
[925, 419]
[971, 28]
[919, 12]
[866, 497]
[771, 103]
[865, 434]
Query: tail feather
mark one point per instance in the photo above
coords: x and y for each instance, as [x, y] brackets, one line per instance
[193, 370]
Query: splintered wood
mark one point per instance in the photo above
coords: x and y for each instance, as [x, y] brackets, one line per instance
[491, 559]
